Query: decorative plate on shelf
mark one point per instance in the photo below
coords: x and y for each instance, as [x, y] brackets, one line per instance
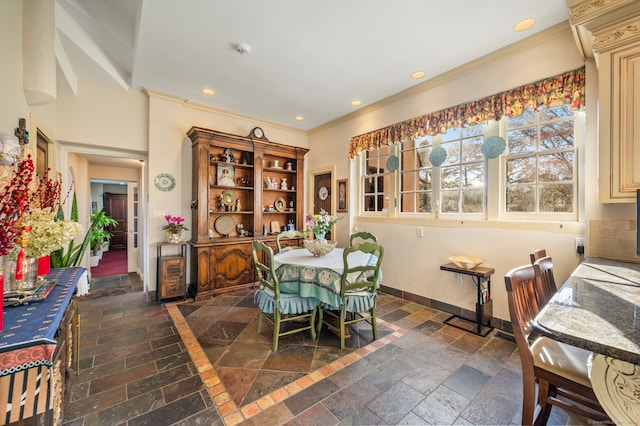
[165, 182]
[280, 204]
[224, 225]
[228, 197]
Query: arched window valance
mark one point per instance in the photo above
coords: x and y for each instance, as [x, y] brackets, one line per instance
[567, 88]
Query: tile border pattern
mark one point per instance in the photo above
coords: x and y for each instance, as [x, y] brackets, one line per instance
[228, 410]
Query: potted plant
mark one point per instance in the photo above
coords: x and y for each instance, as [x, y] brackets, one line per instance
[99, 234]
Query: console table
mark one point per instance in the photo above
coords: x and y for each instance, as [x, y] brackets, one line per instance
[484, 304]
[37, 345]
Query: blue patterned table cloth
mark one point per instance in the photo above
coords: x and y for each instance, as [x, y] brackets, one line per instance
[301, 272]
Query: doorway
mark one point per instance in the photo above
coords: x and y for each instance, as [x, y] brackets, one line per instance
[322, 194]
[86, 165]
[115, 206]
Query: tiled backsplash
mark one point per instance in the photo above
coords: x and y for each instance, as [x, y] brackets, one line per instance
[613, 239]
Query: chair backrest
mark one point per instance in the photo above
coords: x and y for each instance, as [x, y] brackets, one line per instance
[362, 277]
[362, 237]
[523, 308]
[537, 254]
[263, 259]
[288, 234]
[545, 282]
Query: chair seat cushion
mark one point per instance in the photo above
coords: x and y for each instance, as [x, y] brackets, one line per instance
[359, 301]
[289, 303]
[561, 359]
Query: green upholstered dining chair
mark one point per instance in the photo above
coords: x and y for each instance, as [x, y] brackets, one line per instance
[560, 370]
[280, 308]
[288, 234]
[358, 292]
[360, 237]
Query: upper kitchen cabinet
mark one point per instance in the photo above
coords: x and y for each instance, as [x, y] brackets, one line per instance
[609, 31]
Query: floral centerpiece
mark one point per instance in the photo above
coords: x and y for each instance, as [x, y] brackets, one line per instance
[320, 223]
[174, 227]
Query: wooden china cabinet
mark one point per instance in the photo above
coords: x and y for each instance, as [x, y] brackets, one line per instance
[243, 188]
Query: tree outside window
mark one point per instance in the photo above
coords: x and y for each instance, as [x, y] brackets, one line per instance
[540, 162]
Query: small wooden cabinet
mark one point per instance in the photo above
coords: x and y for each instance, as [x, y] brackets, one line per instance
[243, 189]
[171, 274]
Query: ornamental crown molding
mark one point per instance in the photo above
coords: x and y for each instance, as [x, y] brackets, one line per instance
[622, 35]
[600, 25]
[582, 11]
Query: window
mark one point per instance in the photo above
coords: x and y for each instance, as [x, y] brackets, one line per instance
[538, 171]
[376, 182]
[462, 179]
[416, 176]
[540, 162]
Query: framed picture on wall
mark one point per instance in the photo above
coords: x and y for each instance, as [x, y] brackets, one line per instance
[343, 195]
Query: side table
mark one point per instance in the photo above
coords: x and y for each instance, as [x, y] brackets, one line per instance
[484, 303]
[171, 278]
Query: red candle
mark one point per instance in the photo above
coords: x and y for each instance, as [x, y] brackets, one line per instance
[44, 265]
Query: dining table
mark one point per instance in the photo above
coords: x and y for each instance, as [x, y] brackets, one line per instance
[301, 272]
[598, 309]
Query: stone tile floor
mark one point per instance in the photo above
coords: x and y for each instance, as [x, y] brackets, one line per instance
[202, 362]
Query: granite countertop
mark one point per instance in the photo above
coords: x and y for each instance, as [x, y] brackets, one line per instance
[598, 309]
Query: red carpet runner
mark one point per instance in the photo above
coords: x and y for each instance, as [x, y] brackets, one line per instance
[113, 262]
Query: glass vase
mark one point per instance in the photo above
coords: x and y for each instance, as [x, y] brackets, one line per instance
[320, 236]
[30, 268]
[174, 238]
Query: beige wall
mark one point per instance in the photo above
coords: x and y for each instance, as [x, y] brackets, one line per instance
[412, 263]
[152, 126]
[13, 105]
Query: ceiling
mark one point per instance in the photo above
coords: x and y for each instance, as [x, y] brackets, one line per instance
[308, 58]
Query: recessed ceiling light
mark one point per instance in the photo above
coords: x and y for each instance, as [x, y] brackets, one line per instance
[524, 25]
[208, 91]
[356, 102]
[299, 117]
[418, 74]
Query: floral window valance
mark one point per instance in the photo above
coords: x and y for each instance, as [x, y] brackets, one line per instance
[567, 88]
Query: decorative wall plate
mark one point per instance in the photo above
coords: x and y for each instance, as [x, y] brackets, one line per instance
[323, 193]
[224, 225]
[493, 147]
[437, 156]
[165, 182]
[392, 163]
[280, 204]
[228, 198]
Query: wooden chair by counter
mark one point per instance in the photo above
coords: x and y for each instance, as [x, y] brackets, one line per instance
[358, 292]
[559, 369]
[362, 237]
[280, 308]
[288, 234]
[546, 283]
[537, 254]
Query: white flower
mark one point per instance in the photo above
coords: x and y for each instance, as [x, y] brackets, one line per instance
[47, 234]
